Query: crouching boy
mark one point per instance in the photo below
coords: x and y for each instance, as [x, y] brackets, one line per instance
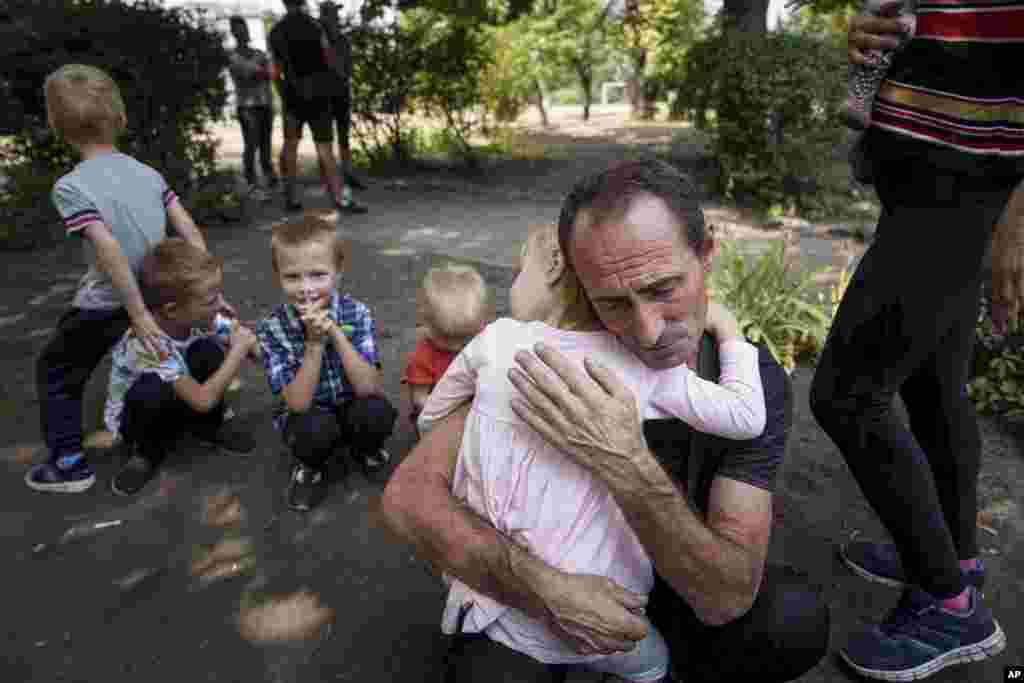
[156, 396]
[320, 358]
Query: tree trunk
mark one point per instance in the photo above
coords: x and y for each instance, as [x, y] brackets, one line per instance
[749, 16]
[636, 88]
[538, 94]
[586, 84]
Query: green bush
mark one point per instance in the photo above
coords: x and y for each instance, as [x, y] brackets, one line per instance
[772, 302]
[770, 106]
[168, 65]
[997, 384]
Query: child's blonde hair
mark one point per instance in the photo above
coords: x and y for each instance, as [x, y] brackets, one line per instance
[173, 271]
[84, 105]
[309, 228]
[579, 314]
[454, 301]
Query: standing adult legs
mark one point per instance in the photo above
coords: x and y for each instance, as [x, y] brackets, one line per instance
[248, 121]
[888, 327]
[265, 144]
[943, 419]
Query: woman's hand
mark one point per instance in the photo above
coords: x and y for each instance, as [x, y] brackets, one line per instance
[869, 32]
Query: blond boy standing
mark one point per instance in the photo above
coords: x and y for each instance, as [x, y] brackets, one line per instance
[119, 208]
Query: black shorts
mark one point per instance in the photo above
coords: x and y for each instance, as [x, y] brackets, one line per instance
[315, 112]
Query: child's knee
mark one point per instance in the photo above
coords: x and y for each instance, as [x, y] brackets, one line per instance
[204, 357]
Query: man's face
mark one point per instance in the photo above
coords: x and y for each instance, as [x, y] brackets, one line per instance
[645, 283]
[240, 30]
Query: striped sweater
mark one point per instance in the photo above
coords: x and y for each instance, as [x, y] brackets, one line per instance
[958, 87]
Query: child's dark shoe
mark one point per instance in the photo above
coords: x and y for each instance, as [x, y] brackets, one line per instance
[231, 438]
[307, 488]
[133, 475]
[49, 478]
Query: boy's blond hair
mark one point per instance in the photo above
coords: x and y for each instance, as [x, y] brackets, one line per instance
[173, 271]
[84, 105]
[309, 228]
[579, 314]
[454, 301]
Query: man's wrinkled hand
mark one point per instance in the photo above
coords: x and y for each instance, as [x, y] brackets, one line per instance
[593, 614]
[592, 417]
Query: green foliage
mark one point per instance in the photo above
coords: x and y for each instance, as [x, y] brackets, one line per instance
[775, 101]
[168, 65]
[425, 63]
[997, 386]
[772, 302]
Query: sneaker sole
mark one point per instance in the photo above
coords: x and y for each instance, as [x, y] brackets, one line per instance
[865, 574]
[975, 652]
[79, 486]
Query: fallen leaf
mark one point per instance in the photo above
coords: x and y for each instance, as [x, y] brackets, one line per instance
[223, 510]
[230, 550]
[298, 616]
[100, 441]
[993, 516]
[22, 454]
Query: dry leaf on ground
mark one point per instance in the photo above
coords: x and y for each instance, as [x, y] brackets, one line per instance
[223, 509]
[298, 616]
[100, 441]
[22, 454]
[228, 557]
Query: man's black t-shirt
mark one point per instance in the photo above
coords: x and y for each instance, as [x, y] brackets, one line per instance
[297, 42]
[754, 461]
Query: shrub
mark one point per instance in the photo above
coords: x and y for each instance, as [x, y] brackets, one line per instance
[770, 105]
[997, 384]
[169, 67]
[772, 302]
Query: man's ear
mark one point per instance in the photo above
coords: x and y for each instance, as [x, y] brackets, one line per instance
[556, 265]
[707, 259]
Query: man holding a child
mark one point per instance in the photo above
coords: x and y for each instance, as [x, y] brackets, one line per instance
[700, 505]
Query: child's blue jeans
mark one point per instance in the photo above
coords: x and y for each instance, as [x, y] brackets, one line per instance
[83, 336]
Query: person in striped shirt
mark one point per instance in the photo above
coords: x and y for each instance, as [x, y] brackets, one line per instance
[945, 146]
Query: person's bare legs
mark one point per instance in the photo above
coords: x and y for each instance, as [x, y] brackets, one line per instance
[288, 162]
[329, 171]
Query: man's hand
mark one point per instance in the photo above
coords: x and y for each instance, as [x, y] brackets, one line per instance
[1008, 265]
[591, 417]
[593, 614]
[874, 33]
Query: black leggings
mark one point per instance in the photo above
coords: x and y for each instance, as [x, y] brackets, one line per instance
[906, 323]
[782, 637]
[362, 423]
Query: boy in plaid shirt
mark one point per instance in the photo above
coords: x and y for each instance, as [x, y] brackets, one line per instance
[320, 358]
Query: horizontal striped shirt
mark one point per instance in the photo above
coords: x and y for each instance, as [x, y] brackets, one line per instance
[958, 84]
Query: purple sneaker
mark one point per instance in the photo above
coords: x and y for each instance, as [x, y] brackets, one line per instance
[49, 478]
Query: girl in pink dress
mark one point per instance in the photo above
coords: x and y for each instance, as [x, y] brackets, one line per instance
[539, 497]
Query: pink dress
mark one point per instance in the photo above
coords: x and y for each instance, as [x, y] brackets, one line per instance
[539, 497]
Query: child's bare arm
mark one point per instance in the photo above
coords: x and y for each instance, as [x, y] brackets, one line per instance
[418, 395]
[204, 397]
[183, 224]
[298, 395]
[112, 261]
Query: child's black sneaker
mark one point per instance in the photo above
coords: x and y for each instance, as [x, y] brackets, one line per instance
[307, 488]
[134, 474]
[230, 437]
[374, 463]
[49, 478]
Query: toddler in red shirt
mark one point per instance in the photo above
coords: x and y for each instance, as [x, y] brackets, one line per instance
[453, 305]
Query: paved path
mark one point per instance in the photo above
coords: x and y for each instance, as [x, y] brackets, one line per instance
[67, 619]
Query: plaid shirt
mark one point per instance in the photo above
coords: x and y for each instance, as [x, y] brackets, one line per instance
[283, 339]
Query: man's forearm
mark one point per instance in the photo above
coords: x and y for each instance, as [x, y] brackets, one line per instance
[421, 510]
[711, 572]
